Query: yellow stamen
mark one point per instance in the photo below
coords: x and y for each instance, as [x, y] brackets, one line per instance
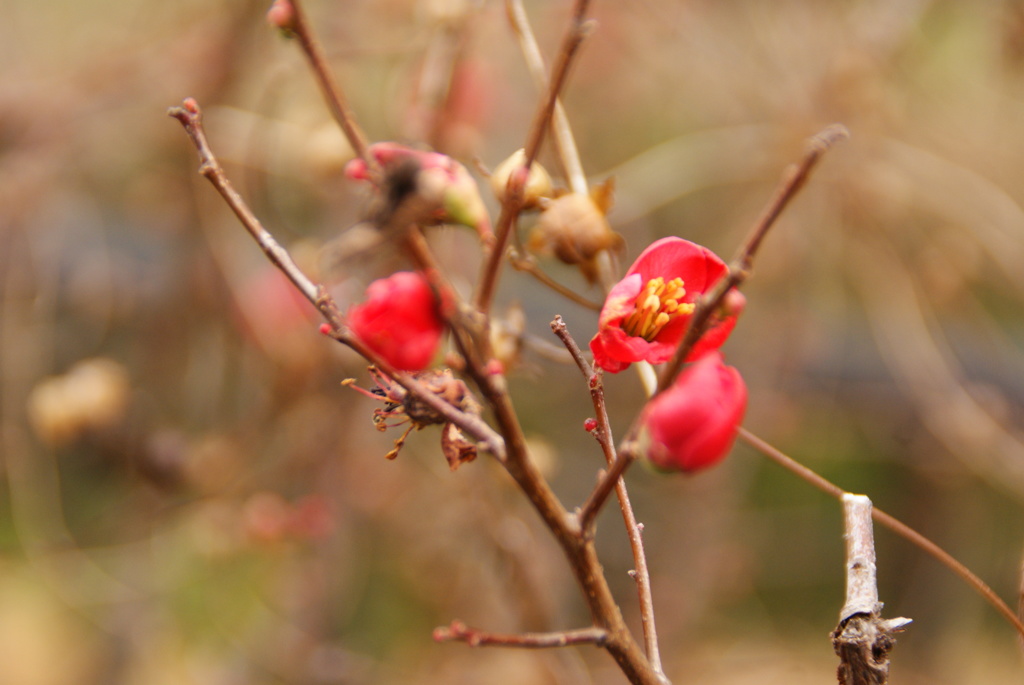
[655, 306]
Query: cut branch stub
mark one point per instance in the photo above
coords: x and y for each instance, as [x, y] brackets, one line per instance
[863, 639]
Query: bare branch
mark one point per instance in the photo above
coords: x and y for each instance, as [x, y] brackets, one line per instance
[612, 478]
[565, 143]
[332, 92]
[191, 118]
[459, 631]
[528, 264]
[510, 208]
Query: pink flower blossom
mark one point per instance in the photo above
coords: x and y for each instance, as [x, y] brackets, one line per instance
[692, 425]
[646, 314]
[399, 320]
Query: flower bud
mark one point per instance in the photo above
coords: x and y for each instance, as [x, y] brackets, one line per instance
[282, 15]
[538, 183]
[692, 425]
[399, 320]
[441, 189]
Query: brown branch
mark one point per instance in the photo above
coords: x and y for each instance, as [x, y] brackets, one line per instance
[793, 179]
[863, 639]
[190, 117]
[578, 31]
[332, 92]
[890, 522]
[609, 479]
[459, 631]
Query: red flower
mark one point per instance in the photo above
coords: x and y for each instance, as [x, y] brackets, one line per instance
[399, 320]
[692, 425]
[646, 314]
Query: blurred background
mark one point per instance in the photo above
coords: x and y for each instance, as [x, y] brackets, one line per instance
[190, 496]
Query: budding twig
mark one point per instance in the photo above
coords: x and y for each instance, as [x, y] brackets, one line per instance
[890, 522]
[793, 179]
[609, 479]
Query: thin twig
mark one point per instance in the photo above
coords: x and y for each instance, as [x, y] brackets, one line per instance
[529, 265]
[893, 524]
[190, 117]
[510, 208]
[793, 179]
[332, 92]
[610, 478]
[480, 638]
[565, 143]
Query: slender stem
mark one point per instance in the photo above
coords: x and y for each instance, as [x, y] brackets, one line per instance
[529, 265]
[793, 179]
[190, 116]
[608, 480]
[565, 143]
[612, 477]
[332, 92]
[561, 638]
[890, 522]
[514, 196]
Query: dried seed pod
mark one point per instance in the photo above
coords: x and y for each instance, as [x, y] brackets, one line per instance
[574, 229]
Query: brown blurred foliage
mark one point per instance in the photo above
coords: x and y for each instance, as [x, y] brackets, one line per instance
[211, 507]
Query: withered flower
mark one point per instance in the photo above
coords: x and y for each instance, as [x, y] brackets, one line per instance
[574, 229]
[402, 407]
